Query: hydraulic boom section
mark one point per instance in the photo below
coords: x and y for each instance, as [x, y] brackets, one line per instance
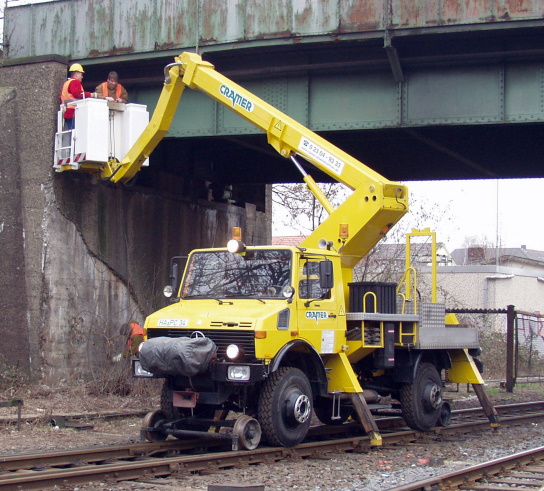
[356, 226]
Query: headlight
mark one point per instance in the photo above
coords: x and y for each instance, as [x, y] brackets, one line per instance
[139, 371]
[234, 352]
[238, 373]
[168, 291]
[287, 291]
[235, 246]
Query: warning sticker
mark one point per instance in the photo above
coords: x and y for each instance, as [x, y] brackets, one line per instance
[327, 342]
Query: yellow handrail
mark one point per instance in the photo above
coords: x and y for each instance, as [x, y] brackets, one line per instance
[406, 280]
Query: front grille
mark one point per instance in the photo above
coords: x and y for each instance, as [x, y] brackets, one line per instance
[221, 337]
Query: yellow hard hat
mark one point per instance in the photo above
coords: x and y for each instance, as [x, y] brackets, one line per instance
[76, 67]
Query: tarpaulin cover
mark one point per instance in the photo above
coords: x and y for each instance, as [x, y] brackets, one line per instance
[177, 356]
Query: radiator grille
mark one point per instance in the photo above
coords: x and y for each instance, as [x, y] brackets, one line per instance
[221, 337]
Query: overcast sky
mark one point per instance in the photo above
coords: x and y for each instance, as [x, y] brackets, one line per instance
[510, 209]
[507, 208]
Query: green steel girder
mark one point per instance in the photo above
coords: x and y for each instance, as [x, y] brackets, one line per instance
[432, 96]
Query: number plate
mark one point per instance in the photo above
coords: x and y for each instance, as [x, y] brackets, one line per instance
[173, 323]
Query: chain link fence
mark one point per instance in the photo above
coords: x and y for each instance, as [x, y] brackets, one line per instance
[526, 362]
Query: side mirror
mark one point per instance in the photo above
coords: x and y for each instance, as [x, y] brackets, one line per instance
[173, 286]
[174, 274]
[326, 278]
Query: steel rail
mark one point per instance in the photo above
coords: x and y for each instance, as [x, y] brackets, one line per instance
[133, 467]
[523, 470]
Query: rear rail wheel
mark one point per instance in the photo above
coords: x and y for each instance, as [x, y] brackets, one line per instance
[285, 407]
[444, 418]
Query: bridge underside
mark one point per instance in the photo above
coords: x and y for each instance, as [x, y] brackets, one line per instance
[442, 104]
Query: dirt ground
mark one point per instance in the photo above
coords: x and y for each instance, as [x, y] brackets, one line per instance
[377, 470]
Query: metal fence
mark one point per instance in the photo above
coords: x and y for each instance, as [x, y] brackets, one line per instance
[518, 350]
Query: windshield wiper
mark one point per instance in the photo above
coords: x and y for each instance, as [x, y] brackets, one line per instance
[221, 302]
[257, 298]
[240, 296]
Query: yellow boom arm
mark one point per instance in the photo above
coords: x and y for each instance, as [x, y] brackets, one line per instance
[374, 207]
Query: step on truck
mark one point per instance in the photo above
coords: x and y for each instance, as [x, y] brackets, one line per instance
[259, 339]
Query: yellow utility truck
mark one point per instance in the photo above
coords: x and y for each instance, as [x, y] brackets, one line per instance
[274, 334]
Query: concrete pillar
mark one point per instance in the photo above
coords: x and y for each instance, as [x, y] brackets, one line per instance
[14, 344]
[27, 120]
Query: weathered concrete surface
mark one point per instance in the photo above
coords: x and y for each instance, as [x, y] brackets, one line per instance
[94, 28]
[81, 257]
[35, 95]
[14, 345]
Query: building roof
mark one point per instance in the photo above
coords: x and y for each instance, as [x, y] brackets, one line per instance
[288, 240]
[488, 255]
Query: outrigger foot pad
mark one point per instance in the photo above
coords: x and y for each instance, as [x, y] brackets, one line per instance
[366, 419]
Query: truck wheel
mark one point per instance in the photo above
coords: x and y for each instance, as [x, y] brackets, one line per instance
[421, 400]
[285, 407]
[167, 407]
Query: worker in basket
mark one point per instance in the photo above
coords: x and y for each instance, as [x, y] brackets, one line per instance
[112, 90]
[72, 90]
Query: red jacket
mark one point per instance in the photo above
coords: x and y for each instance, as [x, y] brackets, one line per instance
[72, 89]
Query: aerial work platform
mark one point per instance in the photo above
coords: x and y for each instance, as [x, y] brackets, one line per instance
[103, 131]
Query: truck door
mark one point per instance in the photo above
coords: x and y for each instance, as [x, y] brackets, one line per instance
[317, 307]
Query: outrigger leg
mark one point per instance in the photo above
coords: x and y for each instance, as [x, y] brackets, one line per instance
[488, 408]
[366, 419]
[343, 379]
[464, 371]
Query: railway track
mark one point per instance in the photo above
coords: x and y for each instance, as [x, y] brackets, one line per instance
[181, 457]
[524, 470]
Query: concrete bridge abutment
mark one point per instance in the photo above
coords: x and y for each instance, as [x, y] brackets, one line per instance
[80, 257]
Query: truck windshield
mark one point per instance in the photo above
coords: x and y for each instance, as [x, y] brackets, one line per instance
[221, 274]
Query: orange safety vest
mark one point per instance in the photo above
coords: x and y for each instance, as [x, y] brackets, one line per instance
[65, 96]
[135, 330]
[106, 91]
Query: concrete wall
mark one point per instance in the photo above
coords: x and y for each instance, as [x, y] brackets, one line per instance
[79, 256]
[26, 193]
[14, 344]
[486, 287]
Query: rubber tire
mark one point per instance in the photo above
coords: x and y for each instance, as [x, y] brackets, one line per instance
[167, 407]
[323, 411]
[276, 429]
[414, 412]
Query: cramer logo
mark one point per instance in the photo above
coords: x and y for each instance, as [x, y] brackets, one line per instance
[316, 314]
[236, 98]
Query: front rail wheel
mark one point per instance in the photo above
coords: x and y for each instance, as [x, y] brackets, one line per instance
[248, 431]
[154, 419]
[285, 407]
[421, 400]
